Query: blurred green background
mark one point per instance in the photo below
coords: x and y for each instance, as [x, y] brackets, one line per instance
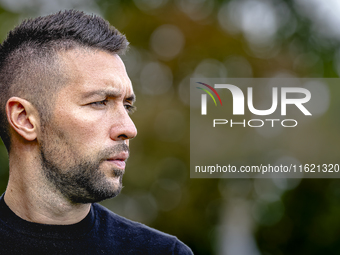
[173, 40]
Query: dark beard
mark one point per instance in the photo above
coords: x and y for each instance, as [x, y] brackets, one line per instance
[83, 182]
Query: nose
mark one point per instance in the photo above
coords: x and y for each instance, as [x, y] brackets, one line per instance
[123, 128]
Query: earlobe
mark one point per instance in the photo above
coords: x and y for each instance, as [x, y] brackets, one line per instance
[23, 117]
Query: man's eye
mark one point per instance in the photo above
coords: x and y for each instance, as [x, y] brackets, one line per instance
[130, 108]
[100, 103]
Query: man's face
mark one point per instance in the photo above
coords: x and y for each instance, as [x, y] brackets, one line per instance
[85, 145]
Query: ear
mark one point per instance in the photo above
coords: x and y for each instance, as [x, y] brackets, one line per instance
[23, 117]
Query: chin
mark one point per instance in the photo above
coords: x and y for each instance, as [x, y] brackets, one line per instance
[95, 197]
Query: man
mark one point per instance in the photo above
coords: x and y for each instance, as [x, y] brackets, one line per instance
[65, 100]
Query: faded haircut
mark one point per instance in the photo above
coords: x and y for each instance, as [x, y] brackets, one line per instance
[30, 67]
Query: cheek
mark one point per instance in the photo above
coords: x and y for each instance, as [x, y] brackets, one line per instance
[83, 129]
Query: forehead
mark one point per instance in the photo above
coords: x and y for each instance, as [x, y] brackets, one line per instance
[89, 70]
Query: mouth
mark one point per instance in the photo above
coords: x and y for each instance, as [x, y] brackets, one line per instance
[119, 163]
[119, 160]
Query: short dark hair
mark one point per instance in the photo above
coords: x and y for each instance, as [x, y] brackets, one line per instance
[29, 66]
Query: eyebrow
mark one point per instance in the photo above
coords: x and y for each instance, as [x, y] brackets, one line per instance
[131, 98]
[109, 93]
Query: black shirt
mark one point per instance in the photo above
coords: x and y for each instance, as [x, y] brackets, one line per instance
[100, 232]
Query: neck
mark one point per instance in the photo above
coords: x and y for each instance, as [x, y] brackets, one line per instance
[32, 199]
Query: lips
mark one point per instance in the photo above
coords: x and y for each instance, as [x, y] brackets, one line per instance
[119, 159]
[119, 163]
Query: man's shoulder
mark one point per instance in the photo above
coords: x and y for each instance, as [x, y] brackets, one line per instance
[136, 232]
